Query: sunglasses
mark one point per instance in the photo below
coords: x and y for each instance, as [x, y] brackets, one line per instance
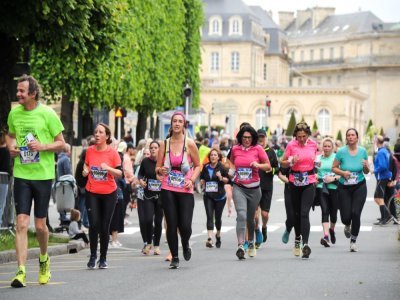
[302, 126]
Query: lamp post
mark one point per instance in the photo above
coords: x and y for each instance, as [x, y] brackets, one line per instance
[187, 93]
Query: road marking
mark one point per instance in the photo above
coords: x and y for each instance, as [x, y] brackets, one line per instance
[130, 230]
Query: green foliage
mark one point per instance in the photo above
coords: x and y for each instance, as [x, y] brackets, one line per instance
[315, 126]
[369, 125]
[339, 136]
[382, 133]
[291, 125]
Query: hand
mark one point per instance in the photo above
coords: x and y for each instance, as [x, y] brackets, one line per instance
[329, 179]
[218, 174]
[85, 171]
[296, 158]
[365, 163]
[143, 183]
[346, 175]
[163, 171]
[35, 146]
[104, 166]
[188, 184]
[14, 152]
[255, 164]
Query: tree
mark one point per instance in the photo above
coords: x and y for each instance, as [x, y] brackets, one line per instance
[339, 136]
[291, 125]
[315, 126]
[369, 125]
[381, 132]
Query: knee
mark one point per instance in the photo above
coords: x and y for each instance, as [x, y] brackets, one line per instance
[41, 227]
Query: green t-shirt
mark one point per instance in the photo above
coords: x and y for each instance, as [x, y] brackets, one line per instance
[352, 163]
[44, 125]
[326, 169]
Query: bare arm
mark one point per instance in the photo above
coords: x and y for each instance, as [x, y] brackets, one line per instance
[56, 146]
[12, 145]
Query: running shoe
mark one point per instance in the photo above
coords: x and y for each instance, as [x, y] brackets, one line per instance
[187, 253]
[209, 243]
[246, 245]
[306, 251]
[92, 263]
[347, 231]
[285, 237]
[102, 263]
[144, 247]
[325, 242]
[259, 236]
[217, 241]
[264, 233]
[147, 249]
[353, 247]
[44, 271]
[157, 250]
[297, 248]
[332, 235]
[240, 252]
[20, 279]
[174, 263]
[252, 250]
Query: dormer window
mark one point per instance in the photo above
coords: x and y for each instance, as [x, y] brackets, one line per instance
[215, 26]
[235, 25]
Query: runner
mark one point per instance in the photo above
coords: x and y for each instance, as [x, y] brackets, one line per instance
[152, 209]
[351, 163]
[35, 133]
[300, 155]
[103, 164]
[213, 177]
[178, 166]
[327, 192]
[247, 158]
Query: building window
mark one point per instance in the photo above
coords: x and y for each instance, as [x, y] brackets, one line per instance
[328, 80]
[321, 54]
[261, 118]
[341, 52]
[312, 54]
[215, 26]
[235, 61]
[331, 53]
[235, 26]
[319, 80]
[300, 82]
[302, 55]
[214, 61]
[323, 122]
[265, 72]
[289, 113]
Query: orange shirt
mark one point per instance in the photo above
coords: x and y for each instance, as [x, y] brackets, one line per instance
[101, 181]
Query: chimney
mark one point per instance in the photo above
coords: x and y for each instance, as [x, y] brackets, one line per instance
[302, 17]
[319, 14]
[285, 18]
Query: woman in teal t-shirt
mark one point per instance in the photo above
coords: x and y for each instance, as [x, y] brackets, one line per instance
[327, 192]
[351, 163]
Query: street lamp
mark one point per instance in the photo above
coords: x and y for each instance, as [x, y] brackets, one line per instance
[187, 93]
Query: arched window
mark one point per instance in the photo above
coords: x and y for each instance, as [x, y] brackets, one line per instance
[215, 26]
[235, 61]
[235, 26]
[289, 113]
[324, 122]
[261, 118]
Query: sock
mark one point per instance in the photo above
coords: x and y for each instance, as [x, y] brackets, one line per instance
[382, 209]
[22, 268]
[326, 237]
[353, 238]
[43, 258]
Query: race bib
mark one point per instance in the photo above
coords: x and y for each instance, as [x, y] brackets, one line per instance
[300, 179]
[212, 187]
[27, 156]
[244, 173]
[98, 174]
[353, 179]
[176, 179]
[153, 185]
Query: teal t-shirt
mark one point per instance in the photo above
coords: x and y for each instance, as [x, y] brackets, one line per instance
[352, 163]
[326, 169]
[43, 124]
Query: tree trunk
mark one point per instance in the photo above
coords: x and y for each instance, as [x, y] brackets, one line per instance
[67, 109]
[85, 124]
[152, 125]
[157, 129]
[141, 126]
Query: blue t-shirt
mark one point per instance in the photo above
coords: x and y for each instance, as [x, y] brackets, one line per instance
[352, 163]
[326, 169]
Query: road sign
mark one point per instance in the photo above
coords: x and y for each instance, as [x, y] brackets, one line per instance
[118, 113]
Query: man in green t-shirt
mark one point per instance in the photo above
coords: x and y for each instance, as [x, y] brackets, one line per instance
[35, 133]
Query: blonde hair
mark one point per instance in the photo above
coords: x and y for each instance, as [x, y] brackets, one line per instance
[328, 139]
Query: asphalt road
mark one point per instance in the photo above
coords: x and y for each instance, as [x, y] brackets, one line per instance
[331, 273]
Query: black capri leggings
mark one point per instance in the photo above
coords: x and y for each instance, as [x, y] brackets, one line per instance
[302, 199]
[352, 200]
[153, 212]
[329, 205]
[100, 210]
[178, 210]
[289, 209]
[214, 207]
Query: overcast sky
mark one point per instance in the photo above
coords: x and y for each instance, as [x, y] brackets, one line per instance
[386, 10]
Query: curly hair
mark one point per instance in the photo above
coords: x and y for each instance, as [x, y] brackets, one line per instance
[249, 129]
[34, 86]
[302, 126]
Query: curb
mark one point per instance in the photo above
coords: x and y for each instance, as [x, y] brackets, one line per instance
[33, 253]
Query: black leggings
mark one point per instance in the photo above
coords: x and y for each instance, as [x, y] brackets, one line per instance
[82, 236]
[302, 200]
[352, 200]
[100, 210]
[329, 205]
[153, 213]
[178, 210]
[141, 216]
[289, 209]
[214, 206]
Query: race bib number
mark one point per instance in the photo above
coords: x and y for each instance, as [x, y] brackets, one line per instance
[153, 185]
[300, 179]
[245, 173]
[98, 174]
[28, 157]
[212, 187]
[353, 179]
[176, 179]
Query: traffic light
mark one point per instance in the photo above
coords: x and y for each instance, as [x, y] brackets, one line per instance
[187, 91]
